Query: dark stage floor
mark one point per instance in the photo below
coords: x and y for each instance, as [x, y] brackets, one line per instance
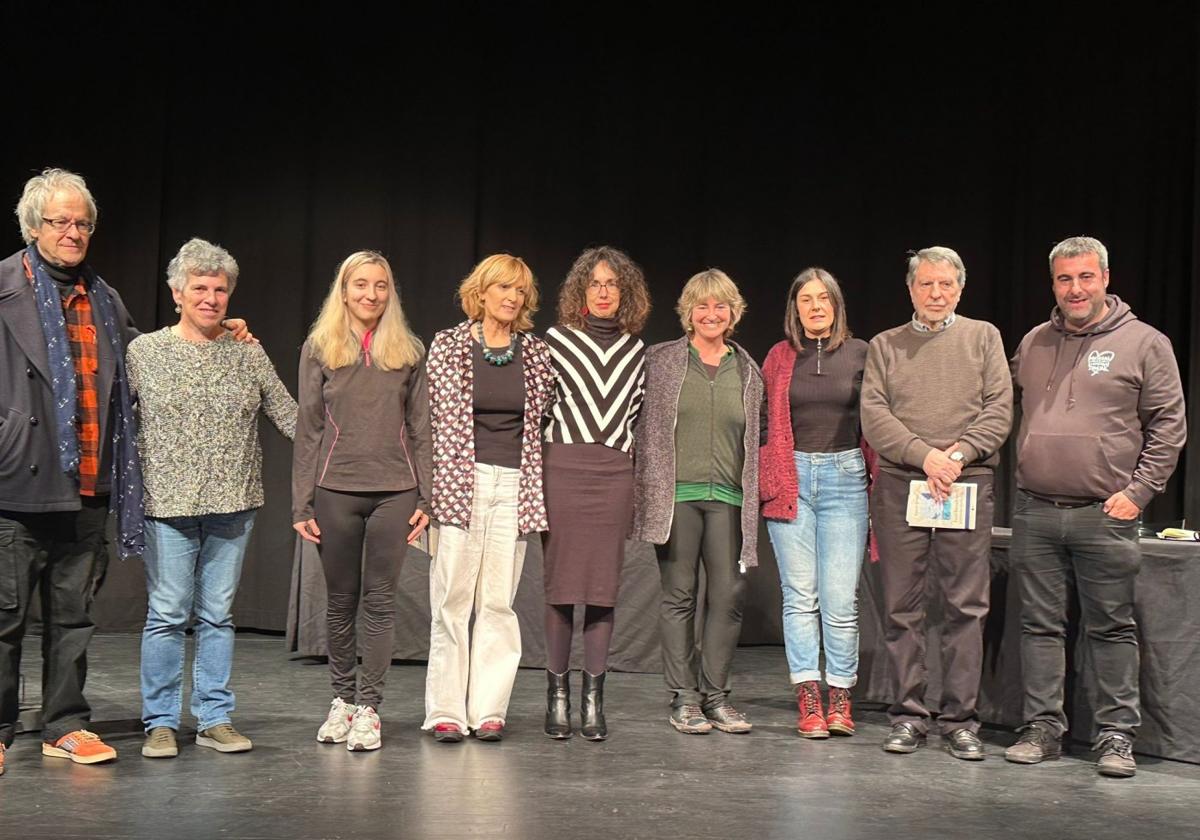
[646, 781]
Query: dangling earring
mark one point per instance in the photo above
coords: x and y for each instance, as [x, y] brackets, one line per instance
[178, 309]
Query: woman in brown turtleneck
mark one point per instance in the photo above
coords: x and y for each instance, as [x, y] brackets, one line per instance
[598, 358]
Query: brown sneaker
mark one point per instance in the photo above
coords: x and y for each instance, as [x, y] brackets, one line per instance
[1116, 755]
[223, 738]
[160, 743]
[80, 746]
[838, 719]
[1035, 745]
[728, 719]
[689, 720]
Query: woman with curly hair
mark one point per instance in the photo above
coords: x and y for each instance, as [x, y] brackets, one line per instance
[602, 307]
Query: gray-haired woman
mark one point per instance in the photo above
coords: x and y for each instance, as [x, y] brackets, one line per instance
[199, 393]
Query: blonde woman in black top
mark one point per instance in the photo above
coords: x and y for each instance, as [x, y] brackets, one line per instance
[360, 477]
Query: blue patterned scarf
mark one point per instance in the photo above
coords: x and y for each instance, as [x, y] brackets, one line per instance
[127, 485]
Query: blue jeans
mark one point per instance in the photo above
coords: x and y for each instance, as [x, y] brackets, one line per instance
[820, 554]
[193, 564]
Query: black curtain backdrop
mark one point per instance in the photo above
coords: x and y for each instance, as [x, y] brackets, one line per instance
[759, 143]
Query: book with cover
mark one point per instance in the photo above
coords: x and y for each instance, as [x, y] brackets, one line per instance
[955, 511]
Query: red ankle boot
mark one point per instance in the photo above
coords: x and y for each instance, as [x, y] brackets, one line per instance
[839, 719]
[811, 723]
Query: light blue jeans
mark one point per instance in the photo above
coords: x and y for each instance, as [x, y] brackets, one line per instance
[193, 565]
[820, 556]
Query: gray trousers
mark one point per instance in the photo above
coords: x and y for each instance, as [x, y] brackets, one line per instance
[959, 561]
[708, 532]
[362, 546]
[1056, 554]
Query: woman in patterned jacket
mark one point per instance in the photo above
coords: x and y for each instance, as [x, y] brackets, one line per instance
[602, 307]
[490, 383]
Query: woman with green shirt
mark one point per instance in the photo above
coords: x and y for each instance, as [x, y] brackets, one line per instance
[696, 495]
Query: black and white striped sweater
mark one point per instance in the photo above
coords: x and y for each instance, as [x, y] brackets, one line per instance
[599, 390]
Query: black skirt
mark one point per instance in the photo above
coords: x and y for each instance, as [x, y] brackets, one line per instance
[589, 501]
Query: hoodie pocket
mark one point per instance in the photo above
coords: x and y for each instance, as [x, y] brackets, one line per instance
[1066, 465]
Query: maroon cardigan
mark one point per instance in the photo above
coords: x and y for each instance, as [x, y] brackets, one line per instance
[778, 485]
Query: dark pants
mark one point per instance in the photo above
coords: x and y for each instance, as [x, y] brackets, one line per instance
[710, 532]
[362, 547]
[962, 575]
[1055, 551]
[59, 551]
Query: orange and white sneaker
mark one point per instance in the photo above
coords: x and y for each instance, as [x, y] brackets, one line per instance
[80, 746]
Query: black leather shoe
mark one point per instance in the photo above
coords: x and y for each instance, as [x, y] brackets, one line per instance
[904, 738]
[965, 744]
[594, 728]
[558, 705]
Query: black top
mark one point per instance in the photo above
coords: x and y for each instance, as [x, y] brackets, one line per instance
[823, 396]
[499, 401]
[603, 331]
[64, 278]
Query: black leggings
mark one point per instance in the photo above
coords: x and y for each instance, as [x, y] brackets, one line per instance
[363, 543]
[708, 533]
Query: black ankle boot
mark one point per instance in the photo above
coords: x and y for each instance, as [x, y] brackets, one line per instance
[558, 705]
[595, 728]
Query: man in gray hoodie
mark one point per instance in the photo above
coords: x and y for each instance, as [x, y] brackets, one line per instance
[1102, 426]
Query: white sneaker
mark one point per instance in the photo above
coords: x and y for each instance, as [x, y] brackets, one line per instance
[365, 731]
[337, 726]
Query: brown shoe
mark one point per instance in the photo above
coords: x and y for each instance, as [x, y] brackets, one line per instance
[223, 738]
[838, 718]
[1036, 744]
[1116, 756]
[728, 719]
[160, 743]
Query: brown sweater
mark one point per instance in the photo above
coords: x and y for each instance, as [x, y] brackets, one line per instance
[927, 390]
[1106, 400]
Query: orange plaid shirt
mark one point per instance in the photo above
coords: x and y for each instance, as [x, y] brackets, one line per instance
[81, 335]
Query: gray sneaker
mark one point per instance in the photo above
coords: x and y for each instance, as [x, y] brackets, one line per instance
[1036, 744]
[690, 720]
[728, 719]
[1116, 755]
[223, 738]
[160, 743]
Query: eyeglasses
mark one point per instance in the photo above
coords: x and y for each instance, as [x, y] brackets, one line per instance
[64, 225]
[614, 286]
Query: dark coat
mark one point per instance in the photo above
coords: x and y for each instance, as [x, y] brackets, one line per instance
[31, 480]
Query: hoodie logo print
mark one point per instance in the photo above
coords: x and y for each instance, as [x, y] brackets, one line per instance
[1098, 361]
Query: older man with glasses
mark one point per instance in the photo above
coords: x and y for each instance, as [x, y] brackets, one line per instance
[67, 451]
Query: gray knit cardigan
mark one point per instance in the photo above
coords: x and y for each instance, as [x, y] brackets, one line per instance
[654, 461]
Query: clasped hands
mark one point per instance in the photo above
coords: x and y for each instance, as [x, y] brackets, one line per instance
[941, 471]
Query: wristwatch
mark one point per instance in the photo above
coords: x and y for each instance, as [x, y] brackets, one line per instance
[957, 456]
